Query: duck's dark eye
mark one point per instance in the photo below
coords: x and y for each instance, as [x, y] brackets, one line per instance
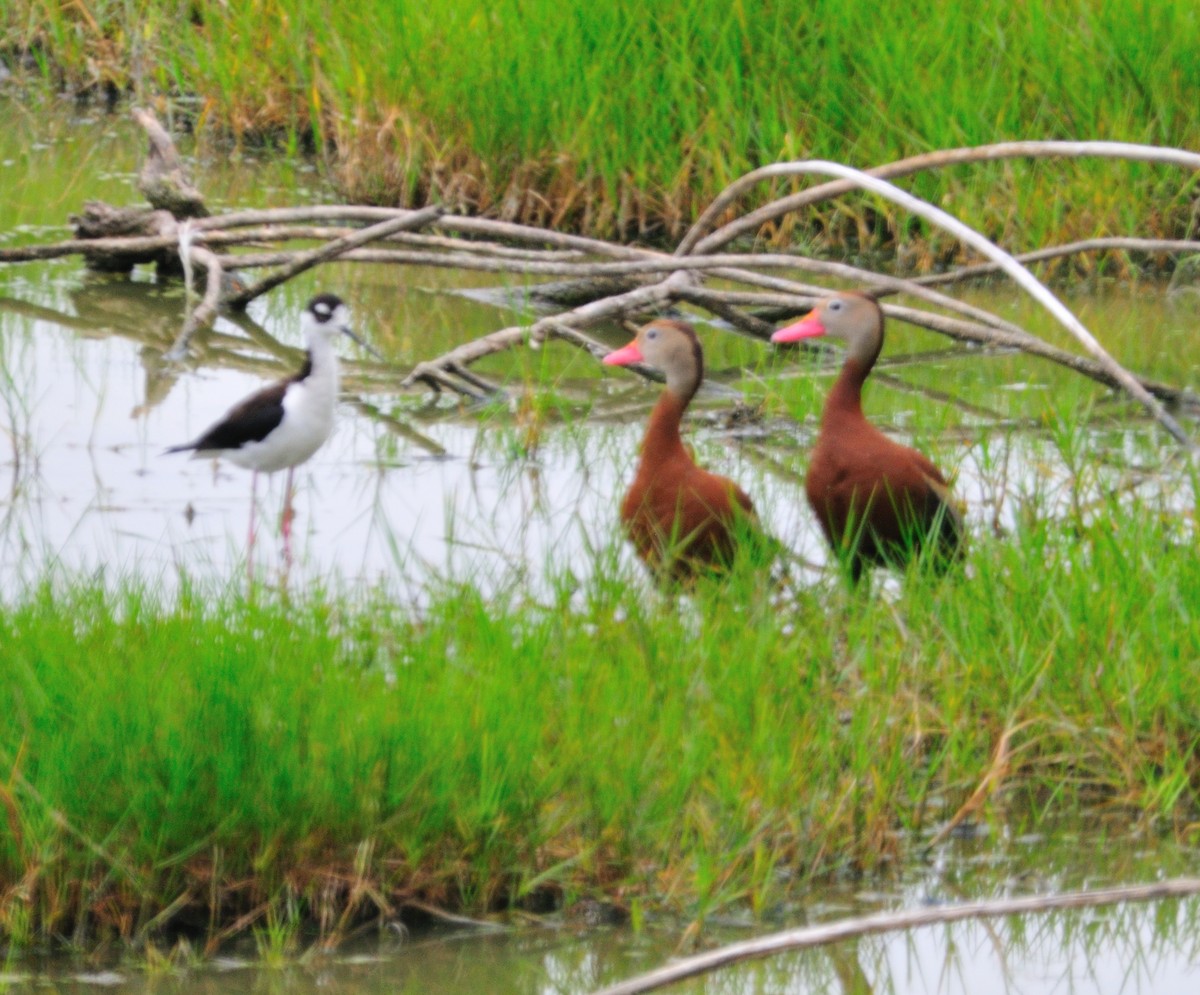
[835, 305]
[652, 334]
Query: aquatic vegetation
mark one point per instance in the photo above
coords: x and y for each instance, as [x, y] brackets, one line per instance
[207, 759]
[178, 758]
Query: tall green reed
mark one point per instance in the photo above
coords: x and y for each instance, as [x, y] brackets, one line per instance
[619, 120]
[684, 748]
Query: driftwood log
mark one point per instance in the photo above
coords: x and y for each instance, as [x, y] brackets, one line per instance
[590, 281]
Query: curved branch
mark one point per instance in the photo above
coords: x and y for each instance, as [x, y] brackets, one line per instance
[890, 922]
[954, 328]
[433, 372]
[695, 241]
[1004, 260]
[206, 311]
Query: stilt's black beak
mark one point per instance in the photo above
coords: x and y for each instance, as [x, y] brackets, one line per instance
[363, 343]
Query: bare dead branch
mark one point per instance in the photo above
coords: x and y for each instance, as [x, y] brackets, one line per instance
[1147, 245]
[695, 241]
[163, 180]
[411, 219]
[656, 295]
[956, 328]
[501, 230]
[83, 246]
[969, 236]
[807, 937]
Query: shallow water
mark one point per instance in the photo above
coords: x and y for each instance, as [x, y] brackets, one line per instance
[1120, 950]
[411, 483]
[413, 487]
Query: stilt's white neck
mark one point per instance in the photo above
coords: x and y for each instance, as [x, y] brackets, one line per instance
[323, 357]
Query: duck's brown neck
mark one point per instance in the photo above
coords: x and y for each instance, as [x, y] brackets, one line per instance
[663, 441]
[845, 397]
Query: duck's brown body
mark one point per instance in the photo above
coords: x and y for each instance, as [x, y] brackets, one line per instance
[878, 502]
[678, 516]
[682, 520]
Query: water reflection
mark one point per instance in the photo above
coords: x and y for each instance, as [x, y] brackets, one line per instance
[407, 486]
[412, 486]
[1131, 950]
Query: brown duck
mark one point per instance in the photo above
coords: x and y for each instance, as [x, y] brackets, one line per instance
[878, 502]
[681, 519]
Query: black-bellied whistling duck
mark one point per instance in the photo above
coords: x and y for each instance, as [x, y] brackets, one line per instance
[878, 502]
[682, 520]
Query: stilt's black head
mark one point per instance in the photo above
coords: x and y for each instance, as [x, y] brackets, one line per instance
[324, 306]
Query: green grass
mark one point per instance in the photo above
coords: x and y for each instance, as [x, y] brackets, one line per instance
[177, 763]
[203, 762]
[611, 119]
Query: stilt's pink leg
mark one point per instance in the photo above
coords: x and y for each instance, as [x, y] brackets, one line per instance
[250, 537]
[288, 514]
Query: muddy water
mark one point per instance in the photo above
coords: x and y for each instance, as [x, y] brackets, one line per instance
[414, 486]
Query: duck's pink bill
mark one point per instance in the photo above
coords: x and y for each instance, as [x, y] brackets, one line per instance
[809, 327]
[623, 357]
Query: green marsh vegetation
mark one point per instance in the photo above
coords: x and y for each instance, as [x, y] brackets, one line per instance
[605, 119]
[202, 761]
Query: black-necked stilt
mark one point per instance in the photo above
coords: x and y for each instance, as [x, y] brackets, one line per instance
[282, 425]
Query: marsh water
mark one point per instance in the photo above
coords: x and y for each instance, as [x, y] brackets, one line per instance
[413, 483]
[1119, 950]
[414, 486]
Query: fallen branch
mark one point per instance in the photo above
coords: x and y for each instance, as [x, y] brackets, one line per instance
[656, 295]
[1004, 260]
[1147, 245]
[696, 242]
[85, 246]
[602, 280]
[807, 937]
[163, 181]
[307, 260]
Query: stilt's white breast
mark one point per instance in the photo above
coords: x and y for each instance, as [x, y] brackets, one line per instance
[306, 425]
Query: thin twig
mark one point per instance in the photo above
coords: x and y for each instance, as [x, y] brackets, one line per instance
[454, 223]
[411, 219]
[434, 912]
[1147, 245]
[655, 263]
[432, 371]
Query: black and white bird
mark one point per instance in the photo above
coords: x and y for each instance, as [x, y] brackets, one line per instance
[281, 426]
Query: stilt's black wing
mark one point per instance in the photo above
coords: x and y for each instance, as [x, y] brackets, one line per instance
[250, 421]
